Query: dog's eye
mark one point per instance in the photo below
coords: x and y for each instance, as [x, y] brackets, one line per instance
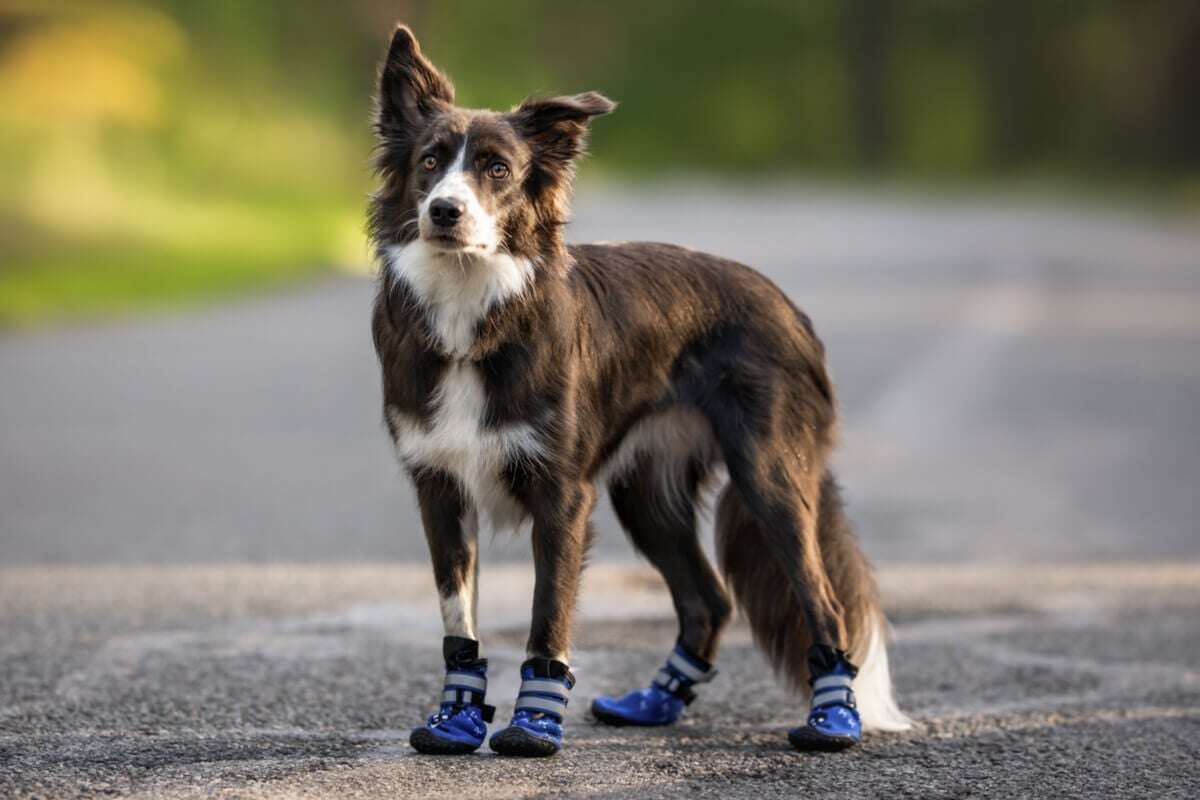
[429, 162]
[498, 170]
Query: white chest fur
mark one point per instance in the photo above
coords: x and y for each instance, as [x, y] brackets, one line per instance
[456, 289]
[455, 441]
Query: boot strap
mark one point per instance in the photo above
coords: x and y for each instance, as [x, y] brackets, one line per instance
[543, 695]
[467, 689]
[681, 673]
[832, 689]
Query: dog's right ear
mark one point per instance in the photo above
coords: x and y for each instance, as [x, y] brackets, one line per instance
[410, 88]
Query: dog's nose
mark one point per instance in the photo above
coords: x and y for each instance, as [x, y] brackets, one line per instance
[445, 211]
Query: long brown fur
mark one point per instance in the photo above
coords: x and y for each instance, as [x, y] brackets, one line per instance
[759, 584]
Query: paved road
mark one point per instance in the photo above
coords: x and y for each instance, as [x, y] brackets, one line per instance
[259, 681]
[1018, 383]
[1021, 396]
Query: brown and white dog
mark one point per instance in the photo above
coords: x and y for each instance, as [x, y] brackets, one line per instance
[520, 372]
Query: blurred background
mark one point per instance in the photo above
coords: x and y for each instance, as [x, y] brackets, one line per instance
[989, 207]
[157, 151]
[213, 578]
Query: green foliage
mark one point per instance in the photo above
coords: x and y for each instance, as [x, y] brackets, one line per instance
[157, 150]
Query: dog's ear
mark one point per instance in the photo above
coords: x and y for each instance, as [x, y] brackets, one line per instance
[556, 127]
[410, 87]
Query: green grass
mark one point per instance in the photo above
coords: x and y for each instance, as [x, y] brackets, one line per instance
[158, 153]
[47, 277]
[106, 284]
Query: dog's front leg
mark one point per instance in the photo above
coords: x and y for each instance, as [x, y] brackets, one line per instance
[561, 536]
[451, 529]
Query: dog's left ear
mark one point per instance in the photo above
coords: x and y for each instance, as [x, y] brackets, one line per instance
[557, 126]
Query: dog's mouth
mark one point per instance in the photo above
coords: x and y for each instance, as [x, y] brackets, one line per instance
[447, 241]
[451, 243]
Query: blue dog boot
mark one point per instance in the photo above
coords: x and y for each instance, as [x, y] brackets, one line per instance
[536, 727]
[833, 722]
[460, 723]
[663, 701]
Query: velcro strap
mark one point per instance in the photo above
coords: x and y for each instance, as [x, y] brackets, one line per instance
[464, 689]
[836, 694]
[465, 680]
[542, 686]
[680, 663]
[673, 685]
[462, 697]
[831, 682]
[666, 681]
[546, 704]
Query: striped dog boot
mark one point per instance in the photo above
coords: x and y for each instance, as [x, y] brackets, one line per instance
[663, 701]
[833, 721]
[536, 727]
[460, 723]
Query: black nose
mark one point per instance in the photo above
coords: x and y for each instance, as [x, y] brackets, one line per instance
[445, 212]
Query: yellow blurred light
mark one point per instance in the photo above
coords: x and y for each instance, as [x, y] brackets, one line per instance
[100, 68]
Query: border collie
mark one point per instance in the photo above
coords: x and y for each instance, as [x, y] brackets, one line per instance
[519, 372]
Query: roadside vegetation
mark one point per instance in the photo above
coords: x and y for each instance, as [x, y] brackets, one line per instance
[158, 152]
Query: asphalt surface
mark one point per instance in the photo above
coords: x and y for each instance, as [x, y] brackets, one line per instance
[1017, 382]
[212, 579]
[257, 681]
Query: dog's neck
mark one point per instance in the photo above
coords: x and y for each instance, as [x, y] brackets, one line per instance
[457, 291]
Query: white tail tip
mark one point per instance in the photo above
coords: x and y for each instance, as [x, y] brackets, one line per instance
[873, 685]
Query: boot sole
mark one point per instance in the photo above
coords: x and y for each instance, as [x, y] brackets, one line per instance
[807, 740]
[424, 741]
[522, 744]
[621, 722]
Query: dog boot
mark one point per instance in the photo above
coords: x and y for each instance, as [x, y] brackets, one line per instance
[663, 701]
[460, 723]
[536, 727]
[833, 722]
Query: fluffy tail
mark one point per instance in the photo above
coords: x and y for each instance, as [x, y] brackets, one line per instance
[759, 582]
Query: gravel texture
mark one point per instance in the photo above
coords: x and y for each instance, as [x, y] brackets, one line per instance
[302, 681]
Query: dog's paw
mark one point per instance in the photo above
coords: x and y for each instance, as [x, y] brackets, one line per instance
[516, 741]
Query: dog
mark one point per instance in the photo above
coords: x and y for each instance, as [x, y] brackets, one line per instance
[520, 372]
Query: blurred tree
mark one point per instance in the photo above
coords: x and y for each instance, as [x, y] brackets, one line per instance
[1179, 104]
[229, 139]
[870, 26]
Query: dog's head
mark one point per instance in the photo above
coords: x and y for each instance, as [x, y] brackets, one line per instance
[466, 181]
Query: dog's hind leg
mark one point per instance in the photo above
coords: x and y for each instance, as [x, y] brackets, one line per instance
[774, 427]
[451, 529]
[770, 552]
[659, 514]
[807, 590]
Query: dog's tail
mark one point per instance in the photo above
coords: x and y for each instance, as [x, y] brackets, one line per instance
[759, 583]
